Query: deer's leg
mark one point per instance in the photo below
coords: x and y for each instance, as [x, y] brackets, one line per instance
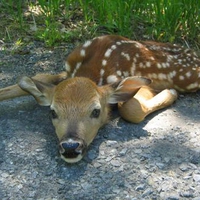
[146, 102]
[15, 91]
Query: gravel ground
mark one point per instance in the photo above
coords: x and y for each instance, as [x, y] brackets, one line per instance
[157, 159]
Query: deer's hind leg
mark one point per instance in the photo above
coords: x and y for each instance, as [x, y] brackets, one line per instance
[145, 102]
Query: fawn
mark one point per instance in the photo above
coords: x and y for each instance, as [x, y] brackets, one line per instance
[141, 77]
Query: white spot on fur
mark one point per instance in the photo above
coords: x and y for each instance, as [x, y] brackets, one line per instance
[102, 71]
[188, 74]
[180, 61]
[108, 53]
[181, 78]
[164, 65]
[119, 73]
[87, 43]
[76, 69]
[112, 79]
[192, 86]
[126, 74]
[169, 58]
[127, 56]
[118, 43]
[127, 41]
[162, 76]
[172, 74]
[104, 62]
[83, 52]
[133, 67]
[152, 58]
[153, 76]
[67, 66]
[148, 64]
[136, 45]
[100, 81]
[180, 70]
[139, 45]
[141, 65]
[159, 66]
[113, 47]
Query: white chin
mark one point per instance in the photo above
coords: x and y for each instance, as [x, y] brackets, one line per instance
[72, 160]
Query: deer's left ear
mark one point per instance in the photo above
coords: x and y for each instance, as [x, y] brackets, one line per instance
[42, 92]
[127, 88]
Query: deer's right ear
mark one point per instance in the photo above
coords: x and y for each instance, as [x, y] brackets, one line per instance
[127, 88]
[42, 92]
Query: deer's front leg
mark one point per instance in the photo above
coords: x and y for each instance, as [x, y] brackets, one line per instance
[137, 108]
[15, 91]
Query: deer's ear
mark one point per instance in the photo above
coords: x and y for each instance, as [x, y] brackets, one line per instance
[127, 88]
[42, 92]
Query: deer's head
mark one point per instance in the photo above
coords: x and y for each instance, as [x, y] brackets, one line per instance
[79, 108]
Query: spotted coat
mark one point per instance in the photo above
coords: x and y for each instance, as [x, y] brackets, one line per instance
[114, 57]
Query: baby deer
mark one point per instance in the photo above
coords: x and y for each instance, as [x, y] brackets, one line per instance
[141, 77]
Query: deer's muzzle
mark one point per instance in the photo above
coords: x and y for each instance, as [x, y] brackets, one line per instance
[72, 150]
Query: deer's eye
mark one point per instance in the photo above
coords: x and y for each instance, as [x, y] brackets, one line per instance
[95, 113]
[53, 114]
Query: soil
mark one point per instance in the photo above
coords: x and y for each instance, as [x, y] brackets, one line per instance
[156, 159]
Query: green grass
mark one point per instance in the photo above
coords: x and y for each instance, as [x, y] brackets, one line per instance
[56, 21]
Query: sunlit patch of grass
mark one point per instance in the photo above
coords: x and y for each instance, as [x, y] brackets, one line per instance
[55, 21]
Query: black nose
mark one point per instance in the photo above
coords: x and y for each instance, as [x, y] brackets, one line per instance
[70, 148]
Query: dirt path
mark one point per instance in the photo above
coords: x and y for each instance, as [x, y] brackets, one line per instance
[157, 159]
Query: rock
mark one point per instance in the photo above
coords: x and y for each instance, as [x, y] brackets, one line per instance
[91, 155]
[123, 152]
[111, 143]
[160, 165]
[195, 159]
[196, 198]
[86, 186]
[147, 192]
[144, 174]
[184, 167]
[116, 163]
[196, 177]
[140, 187]
[138, 151]
[171, 196]
[187, 194]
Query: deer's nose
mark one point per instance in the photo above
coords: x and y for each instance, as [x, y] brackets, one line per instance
[71, 148]
[68, 146]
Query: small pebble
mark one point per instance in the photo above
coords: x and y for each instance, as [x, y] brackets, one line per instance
[196, 177]
[147, 192]
[140, 187]
[116, 163]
